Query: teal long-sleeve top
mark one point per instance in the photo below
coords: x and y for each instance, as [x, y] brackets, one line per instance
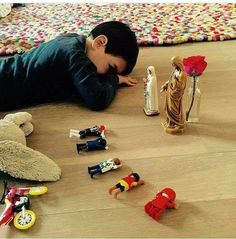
[55, 70]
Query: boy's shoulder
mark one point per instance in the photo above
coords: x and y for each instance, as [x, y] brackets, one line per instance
[71, 36]
[67, 35]
[69, 42]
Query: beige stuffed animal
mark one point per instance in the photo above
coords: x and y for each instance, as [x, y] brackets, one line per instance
[16, 158]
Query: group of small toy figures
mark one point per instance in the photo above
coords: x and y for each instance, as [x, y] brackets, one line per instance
[155, 207]
[99, 143]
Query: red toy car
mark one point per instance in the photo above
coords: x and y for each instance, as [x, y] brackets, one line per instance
[17, 205]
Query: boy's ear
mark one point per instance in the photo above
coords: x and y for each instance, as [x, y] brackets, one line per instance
[100, 41]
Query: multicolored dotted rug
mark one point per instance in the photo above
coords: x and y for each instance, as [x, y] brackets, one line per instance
[154, 24]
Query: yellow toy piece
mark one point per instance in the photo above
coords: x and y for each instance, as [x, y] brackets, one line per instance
[24, 219]
[35, 191]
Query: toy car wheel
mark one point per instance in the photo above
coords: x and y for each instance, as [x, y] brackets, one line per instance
[24, 221]
[35, 191]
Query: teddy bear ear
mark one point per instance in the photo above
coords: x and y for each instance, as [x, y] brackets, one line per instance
[19, 118]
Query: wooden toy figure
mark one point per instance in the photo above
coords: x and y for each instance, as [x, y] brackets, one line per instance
[126, 183]
[151, 93]
[164, 199]
[104, 166]
[99, 143]
[174, 88]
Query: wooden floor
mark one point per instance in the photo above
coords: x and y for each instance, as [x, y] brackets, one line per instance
[199, 165]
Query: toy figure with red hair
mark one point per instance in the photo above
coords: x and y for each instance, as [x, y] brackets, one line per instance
[93, 131]
[164, 199]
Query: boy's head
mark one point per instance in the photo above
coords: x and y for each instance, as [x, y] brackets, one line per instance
[118, 43]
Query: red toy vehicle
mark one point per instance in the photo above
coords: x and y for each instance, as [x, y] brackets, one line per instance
[17, 205]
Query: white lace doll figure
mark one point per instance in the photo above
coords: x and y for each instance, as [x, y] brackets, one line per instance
[151, 93]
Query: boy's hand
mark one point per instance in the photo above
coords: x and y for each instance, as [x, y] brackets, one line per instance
[127, 80]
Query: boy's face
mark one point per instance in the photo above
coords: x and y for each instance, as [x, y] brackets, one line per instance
[104, 61]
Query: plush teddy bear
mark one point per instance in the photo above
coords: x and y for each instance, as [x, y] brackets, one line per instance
[16, 158]
[16, 126]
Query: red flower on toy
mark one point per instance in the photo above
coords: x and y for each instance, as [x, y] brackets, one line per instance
[194, 65]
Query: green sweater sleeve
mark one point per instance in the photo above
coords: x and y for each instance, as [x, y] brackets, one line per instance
[97, 91]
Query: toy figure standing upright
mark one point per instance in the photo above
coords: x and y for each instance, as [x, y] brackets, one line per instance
[175, 122]
[164, 199]
[126, 183]
[151, 93]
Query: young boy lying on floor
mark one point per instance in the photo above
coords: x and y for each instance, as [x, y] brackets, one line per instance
[89, 67]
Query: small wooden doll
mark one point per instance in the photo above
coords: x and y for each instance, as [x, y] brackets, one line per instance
[151, 93]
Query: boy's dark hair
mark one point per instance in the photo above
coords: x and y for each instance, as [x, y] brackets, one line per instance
[136, 176]
[121, 42]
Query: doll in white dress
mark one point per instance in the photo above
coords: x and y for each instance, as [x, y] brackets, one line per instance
[151, 93]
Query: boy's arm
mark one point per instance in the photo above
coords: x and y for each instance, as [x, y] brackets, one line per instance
[97, 91]
[127, 80]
